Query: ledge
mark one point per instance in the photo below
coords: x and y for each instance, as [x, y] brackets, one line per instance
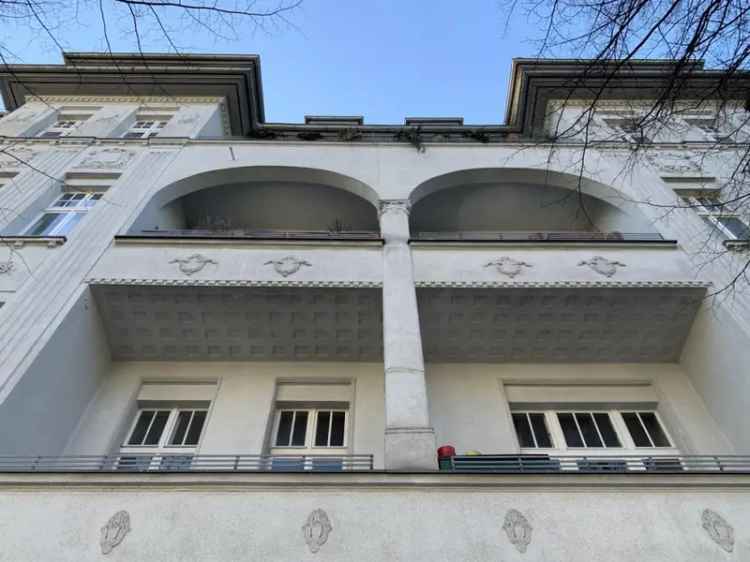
[428, 481]
[20, 241]
[132, 239]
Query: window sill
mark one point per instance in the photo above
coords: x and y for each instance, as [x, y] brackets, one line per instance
[737, 245]
[22, 240]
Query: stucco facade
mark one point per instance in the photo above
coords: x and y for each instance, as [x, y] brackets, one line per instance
[352, 297]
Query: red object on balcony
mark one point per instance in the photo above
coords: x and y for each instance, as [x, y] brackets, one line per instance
[446, 451]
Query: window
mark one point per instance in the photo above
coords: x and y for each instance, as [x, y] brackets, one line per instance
[158, 432]
[628, 129]
[710, 128]
[64, 126]
[146, 128]
[67, 211]
[713, 211]
[595, 431]
[311, 428]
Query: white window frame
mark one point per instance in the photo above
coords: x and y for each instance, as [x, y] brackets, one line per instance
[627, 448]
[146, 127]
[711, 214]
[73, 213]
[64, 126]
[709, 127]
[163, 446]
[312, 423]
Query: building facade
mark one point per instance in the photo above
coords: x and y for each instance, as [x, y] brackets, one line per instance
[227, 339]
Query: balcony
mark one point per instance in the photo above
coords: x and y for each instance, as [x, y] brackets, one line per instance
[516, 236]
[253, 234]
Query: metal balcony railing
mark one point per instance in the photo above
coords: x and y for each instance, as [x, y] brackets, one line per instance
[538, 236]
[241, 233]
[539, 464]
[187, 463]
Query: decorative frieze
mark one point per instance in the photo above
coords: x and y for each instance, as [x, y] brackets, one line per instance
[114, 531]
[518, 529]
[675, 162]
[316, 530]
[6, 267]
[394, 205]
[508, 266]
[718, 529]
[16, 157]
[288, 265]
[193, 264]
[603, 266]
[107, 158]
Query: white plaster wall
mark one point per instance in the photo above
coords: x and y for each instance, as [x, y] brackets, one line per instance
[243, 406]
[25, 259]
[469, 408]
[435, 523]
[43, 409]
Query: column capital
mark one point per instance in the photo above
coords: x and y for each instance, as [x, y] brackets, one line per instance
[394, 206]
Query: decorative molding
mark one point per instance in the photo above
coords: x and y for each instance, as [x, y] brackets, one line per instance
[232, 283]
[718, 529]
[107, 158]
[106, 118]
[169, 100]
[518, 529]
[6, 267]
[19, 117]
[602, 265]
[562, 284]
[288, 265]
[23, 156]
[187, 119]
[508, 266]
[676, 162]
[114, 531]
[193, 263]
[394, 205]
[316, 530]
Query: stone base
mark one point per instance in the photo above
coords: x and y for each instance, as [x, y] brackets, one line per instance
[410, 449]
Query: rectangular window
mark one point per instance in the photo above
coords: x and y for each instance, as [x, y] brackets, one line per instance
[710, 129]
[592, 430]
[64, 126]
[59, 218]
[311, 428]
[717, 214]
[145, 128]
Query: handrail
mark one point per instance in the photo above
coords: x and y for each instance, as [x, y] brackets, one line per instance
[538, 236]
[186, 462]
[534, 463]
[258, 234]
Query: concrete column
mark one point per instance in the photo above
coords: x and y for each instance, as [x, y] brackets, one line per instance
[409, 438]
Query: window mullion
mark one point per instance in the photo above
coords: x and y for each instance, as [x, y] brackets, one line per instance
[189, 425]
[621, 429]
[645, 429]
[531, 428]
[148, 429]
[578, 427]
[330, 425]
[291, 431]
[598, 432]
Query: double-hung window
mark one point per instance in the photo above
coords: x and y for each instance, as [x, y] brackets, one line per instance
[594, 433]
[306, 438]
[59, 218]
[162, 439]
[715, 213]
[64, 126]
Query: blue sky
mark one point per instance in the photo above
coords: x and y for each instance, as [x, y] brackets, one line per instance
[385, 60]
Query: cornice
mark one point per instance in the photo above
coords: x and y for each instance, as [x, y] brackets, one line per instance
[190, 282]
[561, 284]
[140, 100]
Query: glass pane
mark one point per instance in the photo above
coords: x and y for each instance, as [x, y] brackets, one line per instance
[194, 433]
[139, 431]
[570, 431]
[734, 225]
[133, 135]
[157, 427]
[636, 430]
[321, 431]
[183, 419]
[300, 429]
[607, 430]
[332, 464]
[337, 429]
[67, 226]
[288, 464]
[51, 134]
[654, 429]
[46, 224]
[590, 436]
[540, 430]
[285, 429]
[523, 430]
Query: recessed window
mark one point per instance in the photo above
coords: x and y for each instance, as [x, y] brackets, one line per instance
[64, 126]
[710, 129]
[145, 128]
[717, 214]
[157, 434]
[61, 217]
[310, 428]
[591, 430]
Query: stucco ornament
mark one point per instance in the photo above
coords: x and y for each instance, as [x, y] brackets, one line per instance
[107, 158]
[114, 531]
[316, 530]
[721, 532]
[20, 116]
[674, 162]
[394, 205]
[518, 529]
[6, 267]
[288, 265]
[16, 158]
[193, 264]
[603, 266]
[508, 266]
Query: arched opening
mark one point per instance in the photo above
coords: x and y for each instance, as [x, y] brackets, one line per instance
[523, 204]
[262, 202]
